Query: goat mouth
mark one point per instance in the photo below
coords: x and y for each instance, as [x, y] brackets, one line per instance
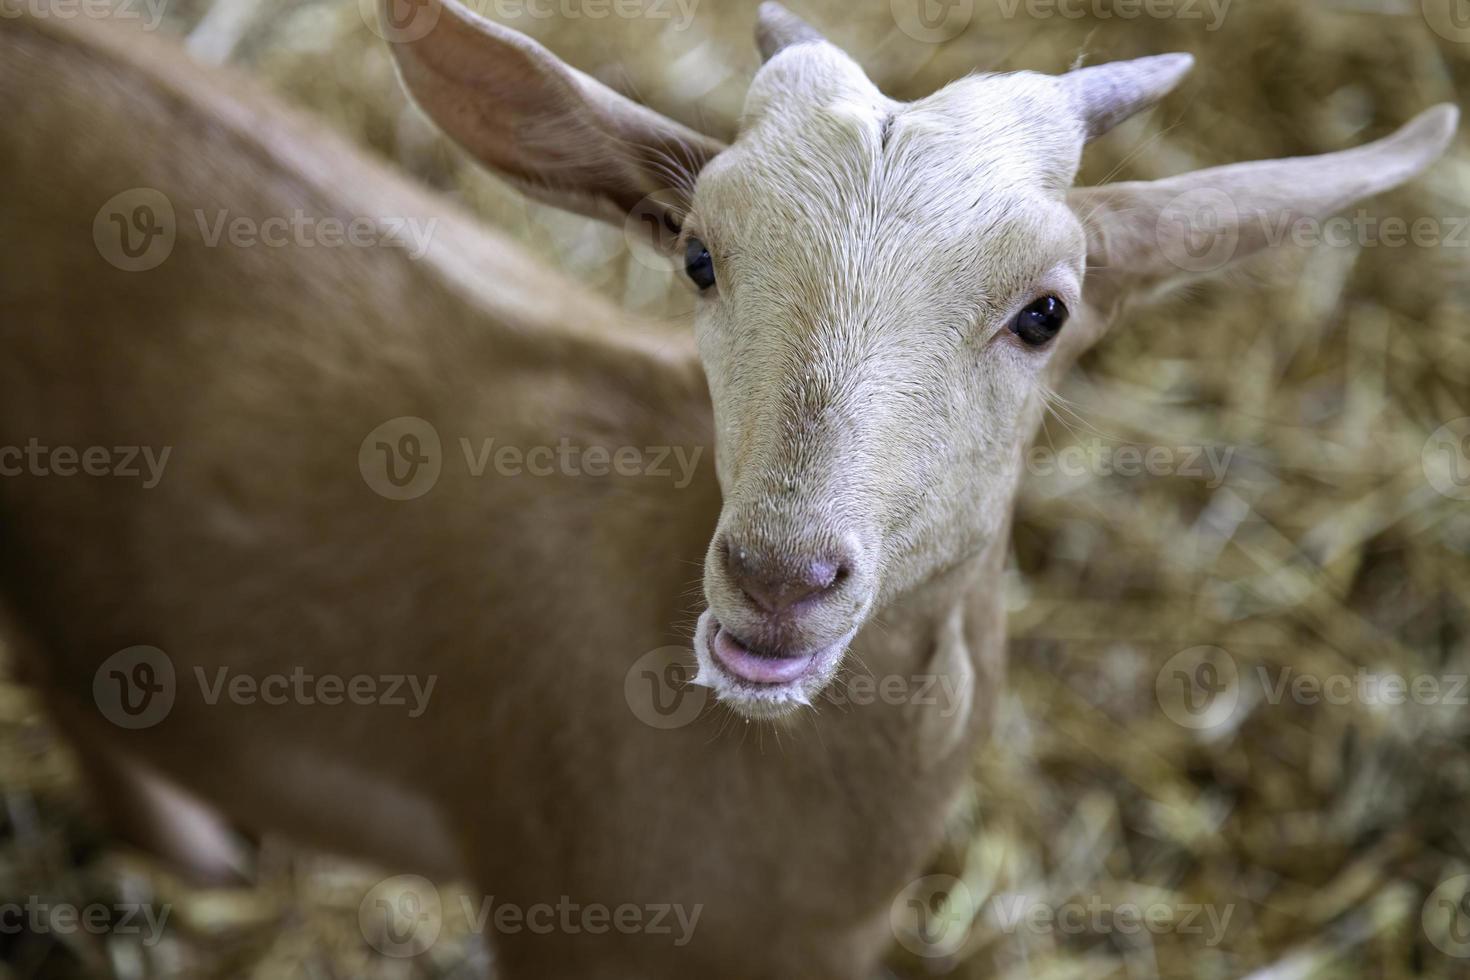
[760, 684]
[755, 666]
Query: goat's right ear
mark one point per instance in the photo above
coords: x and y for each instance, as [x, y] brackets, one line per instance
[561, 135]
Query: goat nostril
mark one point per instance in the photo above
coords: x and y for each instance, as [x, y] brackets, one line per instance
[822, 575]
[774, 585]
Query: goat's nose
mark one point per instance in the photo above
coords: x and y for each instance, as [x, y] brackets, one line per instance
[776, 585]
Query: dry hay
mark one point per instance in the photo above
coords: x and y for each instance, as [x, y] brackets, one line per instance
[1321, 827]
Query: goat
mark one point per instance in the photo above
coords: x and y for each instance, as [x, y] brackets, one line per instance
[884, 292]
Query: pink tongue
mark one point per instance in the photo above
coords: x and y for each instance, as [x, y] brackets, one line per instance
[760, 670]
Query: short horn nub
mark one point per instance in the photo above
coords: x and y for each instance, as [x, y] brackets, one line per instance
[1106, 95]
[778, 29]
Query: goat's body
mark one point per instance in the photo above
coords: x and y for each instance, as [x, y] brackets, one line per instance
[527, 599]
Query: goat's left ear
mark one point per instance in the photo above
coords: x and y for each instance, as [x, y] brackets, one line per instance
[1142, 234]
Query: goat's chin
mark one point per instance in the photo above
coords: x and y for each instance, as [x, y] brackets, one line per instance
[764, 701]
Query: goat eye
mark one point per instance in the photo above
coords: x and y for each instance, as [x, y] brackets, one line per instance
[699, 265]
[1038, 323]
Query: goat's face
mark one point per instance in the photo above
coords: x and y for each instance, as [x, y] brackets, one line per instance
[882, 283]
[881, 288]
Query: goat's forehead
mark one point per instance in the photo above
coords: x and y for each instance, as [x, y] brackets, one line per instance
[1019, 121]
[816, 129]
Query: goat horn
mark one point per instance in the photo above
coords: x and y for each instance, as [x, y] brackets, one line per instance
[1106, 95]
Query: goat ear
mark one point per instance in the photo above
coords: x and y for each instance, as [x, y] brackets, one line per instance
[560, 134]
[778, 29]
[1142, 234]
